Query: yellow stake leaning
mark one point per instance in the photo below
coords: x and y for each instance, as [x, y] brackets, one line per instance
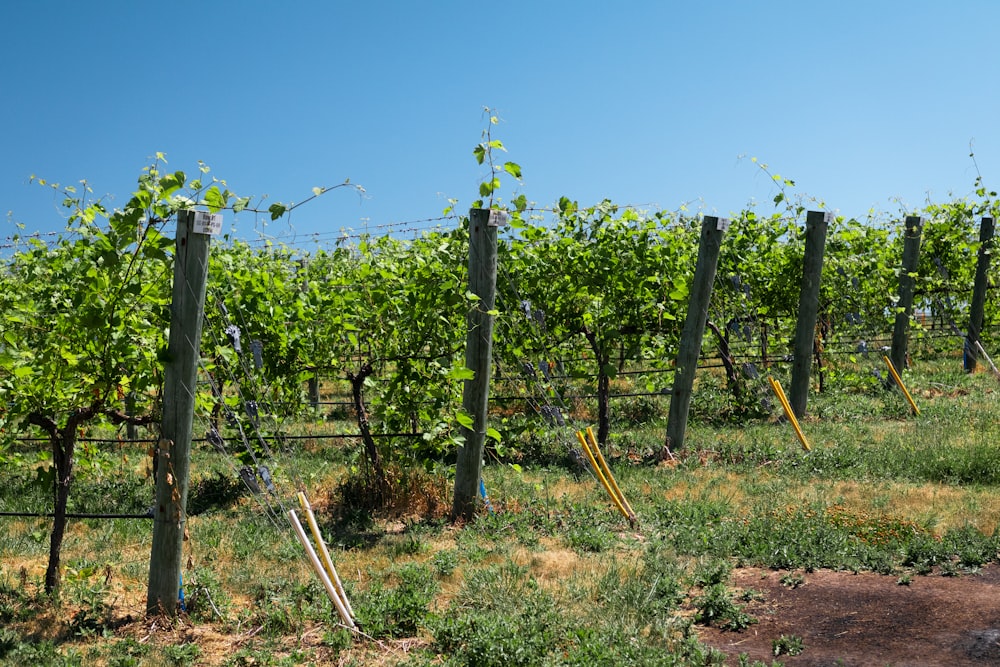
[600, 475]
[899, 383]
[326, 560]
[611, 478]
[780, 393]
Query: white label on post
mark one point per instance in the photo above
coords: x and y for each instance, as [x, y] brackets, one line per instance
[722, 225]
[207, 223]
[497, 218]
[828, 217]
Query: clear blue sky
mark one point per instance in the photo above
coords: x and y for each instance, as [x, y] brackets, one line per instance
[648, 103]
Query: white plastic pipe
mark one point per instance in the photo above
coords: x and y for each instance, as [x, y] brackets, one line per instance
[982, 351]
[324, 552]
[327, 584]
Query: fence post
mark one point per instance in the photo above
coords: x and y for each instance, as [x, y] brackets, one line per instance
[313, 388]
[483, 225]
[131, 432]
[907, 284]
[978, 304]
[689, 350]
[173, 450]
[817, 223]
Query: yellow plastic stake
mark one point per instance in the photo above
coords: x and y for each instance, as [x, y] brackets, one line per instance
[899, 383]
[611, 478]
[600, 475]
[780, 393]
[324, 552]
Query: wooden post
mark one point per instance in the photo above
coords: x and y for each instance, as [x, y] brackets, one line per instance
[173, 450]
[483, 225]
[907, 284]
[313, 385]
[131, 432]
[817, 223]
[978, 304]
[689, 350]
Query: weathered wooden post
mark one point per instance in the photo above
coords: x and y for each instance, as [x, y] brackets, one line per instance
[817, 223]
[712, 229]
[313, 389]
[131, 431]
[978, 305]
[483, 224]
[173, 451]
[907, 285]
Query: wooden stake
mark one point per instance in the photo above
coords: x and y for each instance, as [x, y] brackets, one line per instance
[173, 450]
[483, 225]
[689, 350]
[817, 223]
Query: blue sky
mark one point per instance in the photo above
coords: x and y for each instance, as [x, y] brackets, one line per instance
[863, 104]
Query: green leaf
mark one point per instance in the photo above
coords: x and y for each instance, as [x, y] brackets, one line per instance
[493, 433]
[277, 210]
[487, 188]
[513, 169]
[171, 183]
[480, 153]
[214, 199]
[464, 419]
[461, 373]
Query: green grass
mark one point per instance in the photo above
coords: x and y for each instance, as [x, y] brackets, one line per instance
[554, 575]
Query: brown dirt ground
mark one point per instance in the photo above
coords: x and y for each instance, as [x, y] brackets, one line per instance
[862, 620]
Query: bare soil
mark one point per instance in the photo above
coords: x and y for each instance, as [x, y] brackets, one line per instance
[861, 620]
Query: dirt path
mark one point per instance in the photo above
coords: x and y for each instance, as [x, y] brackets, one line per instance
[861, 620]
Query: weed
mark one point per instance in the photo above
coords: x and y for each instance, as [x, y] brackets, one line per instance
[523, 634]
[787, 645]
[445, 562]
[715, 606]
[792, 580]
[641, 594]
[744, 660]
[218, 491]
[495, 587]
[181, 654]
[86, 587]
[633, 410]
[950, 568]
[8, 641]
[205, 598]
[397, 546]
[592, 539]
[397, 611]
[41, 653]
[127, 653]
[338, 640]
[711, 572]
